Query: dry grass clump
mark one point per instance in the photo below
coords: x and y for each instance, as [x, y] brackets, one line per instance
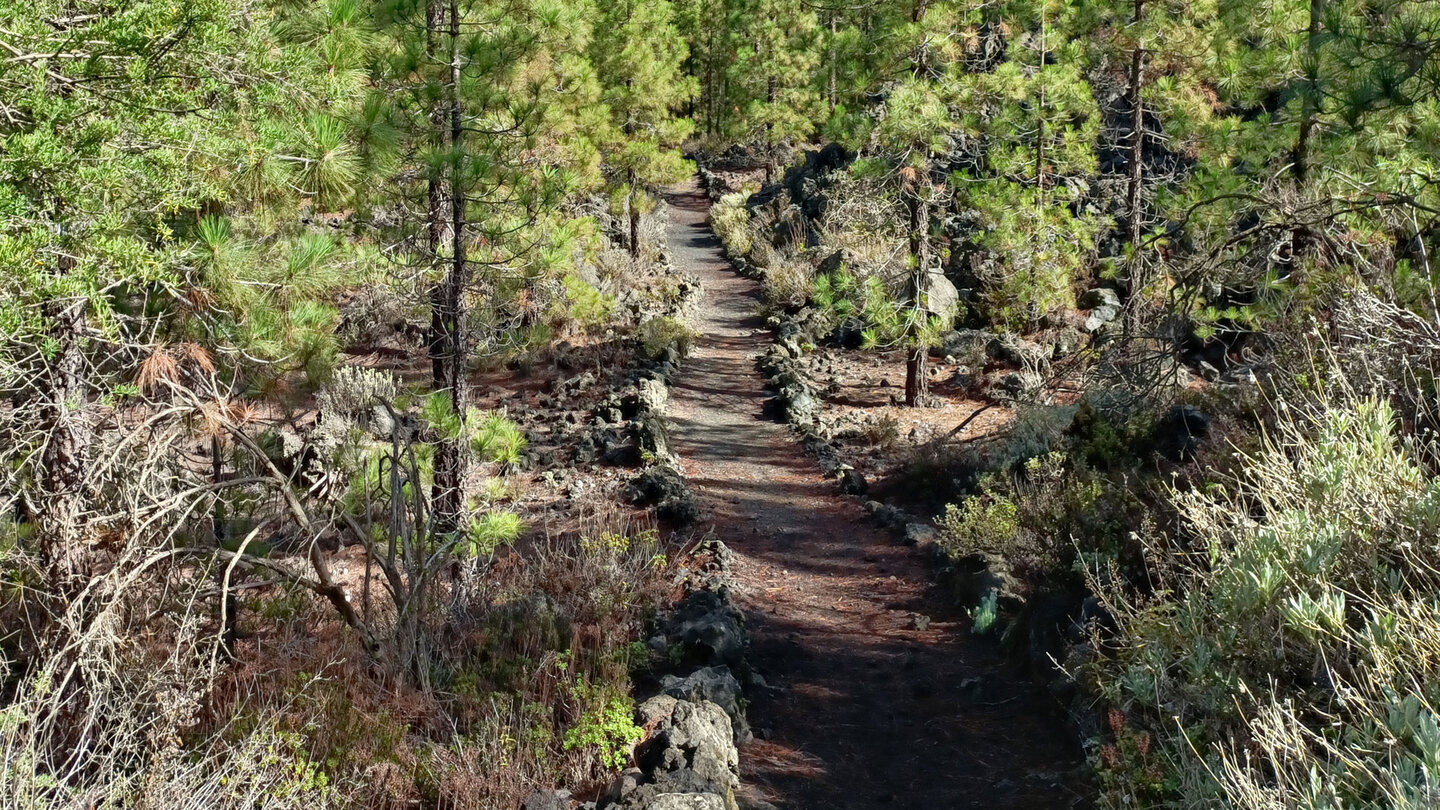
[730, 220]
[789, 283]
[862, 220]
[106, 709]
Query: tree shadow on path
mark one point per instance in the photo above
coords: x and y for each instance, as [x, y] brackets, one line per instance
[881, 697]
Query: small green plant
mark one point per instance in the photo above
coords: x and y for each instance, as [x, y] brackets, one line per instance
[984, 616]
[488, 532]
[490, 434]
[436, 411]
[495, 438]
[834, 293]
[606, 724]
[583, 306]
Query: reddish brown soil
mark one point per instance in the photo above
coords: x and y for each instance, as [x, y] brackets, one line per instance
[867, 709]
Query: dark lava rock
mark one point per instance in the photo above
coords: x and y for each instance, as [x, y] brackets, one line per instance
[1180, 432]
[548, 800]
[709, 628]
[717, 685]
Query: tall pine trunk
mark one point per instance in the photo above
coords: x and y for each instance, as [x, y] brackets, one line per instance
[436, 215]
[830, 88]
[1135, 282]
[1311, 107]
[916, 384]
[449, 456]
[770, 91]
[632, 208]
[65, 461]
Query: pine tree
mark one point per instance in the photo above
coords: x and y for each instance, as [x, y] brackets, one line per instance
[711, 30]
[776, 75]
[107, 157]
[1164, 48]
[468, 112]
[638, 57]
[910, 132]
[1036, 121]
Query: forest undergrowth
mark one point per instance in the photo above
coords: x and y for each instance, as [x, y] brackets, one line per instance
[332, 330]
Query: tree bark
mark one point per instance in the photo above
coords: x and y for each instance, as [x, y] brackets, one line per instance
[230, 606]
[449, 456]
[65, 461]
[1040, 116]
[770, 93]
[437, 214]
[1311, 108]
[633, 209]
[916, 384]
[1135, 281]
[834, 65]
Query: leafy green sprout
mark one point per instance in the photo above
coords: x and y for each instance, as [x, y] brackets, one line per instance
[606, 724]
[985, 615]
[488, 532]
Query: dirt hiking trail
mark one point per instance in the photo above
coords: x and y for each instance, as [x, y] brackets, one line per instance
[867, 709]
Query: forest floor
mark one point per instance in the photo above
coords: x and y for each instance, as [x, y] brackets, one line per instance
[880, 696]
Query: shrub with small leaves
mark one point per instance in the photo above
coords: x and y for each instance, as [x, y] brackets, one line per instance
[606, 723]
[659, 334]
[1293, 656]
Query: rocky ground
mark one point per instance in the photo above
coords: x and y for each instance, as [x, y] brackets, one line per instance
[875, 694]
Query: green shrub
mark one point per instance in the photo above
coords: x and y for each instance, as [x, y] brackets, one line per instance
[1290, 656]
[606, 724]
[489, 531]
[985, 523]
[1046, 517]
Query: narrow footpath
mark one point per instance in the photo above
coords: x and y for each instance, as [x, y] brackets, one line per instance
[880, 696]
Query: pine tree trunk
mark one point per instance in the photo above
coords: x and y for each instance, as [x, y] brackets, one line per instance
[229, 628]
[1040, 116]
[1311, 107]
[770, 93]
[632, 207]
[449, 457]
[65, 461]
[916, 384]
[922, 49]
[1135, 283]
[1137, 145]
[1040, 143]
[1301, 239]
[437, 215]
[834, 64]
